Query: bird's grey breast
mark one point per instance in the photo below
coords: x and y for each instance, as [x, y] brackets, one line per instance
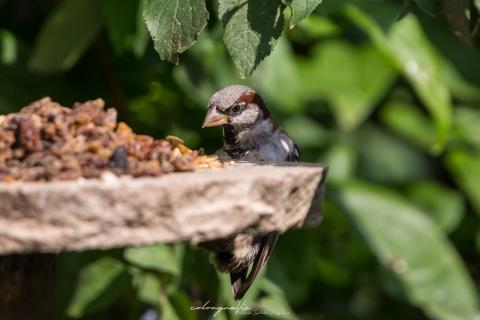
[262, 142]
[279, 147]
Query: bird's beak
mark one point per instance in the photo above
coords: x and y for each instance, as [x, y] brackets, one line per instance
[214, 119]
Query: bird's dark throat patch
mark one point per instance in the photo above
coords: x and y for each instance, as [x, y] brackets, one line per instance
[229, 137]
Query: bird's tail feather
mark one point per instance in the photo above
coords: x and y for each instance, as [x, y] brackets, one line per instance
[237, 279]
[240, 281]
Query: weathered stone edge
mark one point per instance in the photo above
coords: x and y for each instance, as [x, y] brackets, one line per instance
[195, 206]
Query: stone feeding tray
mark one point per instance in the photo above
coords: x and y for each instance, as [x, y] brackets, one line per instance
[189, 206]
[38, 219]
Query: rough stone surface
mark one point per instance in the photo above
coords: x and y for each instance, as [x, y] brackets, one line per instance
[195, 206]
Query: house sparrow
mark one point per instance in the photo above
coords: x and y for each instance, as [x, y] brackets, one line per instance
[249, 134]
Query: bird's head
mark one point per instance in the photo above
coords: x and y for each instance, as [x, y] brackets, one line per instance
[235, 105]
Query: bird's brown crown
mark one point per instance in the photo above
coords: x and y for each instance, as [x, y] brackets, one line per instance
[229, 97]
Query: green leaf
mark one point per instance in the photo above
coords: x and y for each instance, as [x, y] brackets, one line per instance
[274, 304]
[292, 265]
[409, 244]
[149, 288]
[342, 161]
[302, 9]
[8, 47]
[423, 68]
[174, 25]
[225, 290]
[182, 305]
[119, 17]
[466, 125]
[140, 38]
[464, 167]
[460, 88]
[314, 27]
[408, 121]
[65, 36]
[306, 132]
[251, 30]
[197, 270]
[408, 48]
[160, 258]
[444, 206]
[388, 160]
[100, 283]
[206, 60]
[167, 311]
[338, 72]
[281, 86]
[225, 297]
[331, 273]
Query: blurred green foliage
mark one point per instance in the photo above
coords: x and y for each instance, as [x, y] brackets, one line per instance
[391, 106]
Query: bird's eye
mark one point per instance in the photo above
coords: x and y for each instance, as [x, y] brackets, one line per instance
[236, 108]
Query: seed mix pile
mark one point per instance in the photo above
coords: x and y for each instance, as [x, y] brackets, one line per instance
[46, 141]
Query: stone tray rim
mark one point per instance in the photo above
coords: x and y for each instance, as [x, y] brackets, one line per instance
[110, 176]
[197, 206]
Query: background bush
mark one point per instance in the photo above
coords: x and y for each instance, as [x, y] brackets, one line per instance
[392, 108]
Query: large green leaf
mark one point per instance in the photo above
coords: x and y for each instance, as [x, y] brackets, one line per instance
[412, 247]
[148, 288]
[466, 125]
[167, 311]
[251, 30]
[408, 48]
[351, 78]
[140, 39]
[460, 88]
[66, 35]
[174, 25]
[182, 305]
[8, 47]
[306, 132]
[225, 296]
[444, 206]
[388, 160]
[409, 121]
[301, 9]
[314, 27]
[465, 169]
[100, 283]
[120, 22]
[281, 86]
[159, 258]
[342, 161]
[292, 265]
[274, 304]
[206, 60]
[423, 68]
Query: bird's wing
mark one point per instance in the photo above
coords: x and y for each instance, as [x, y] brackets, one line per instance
[240, 283]
[295, 155]
[238, 279]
